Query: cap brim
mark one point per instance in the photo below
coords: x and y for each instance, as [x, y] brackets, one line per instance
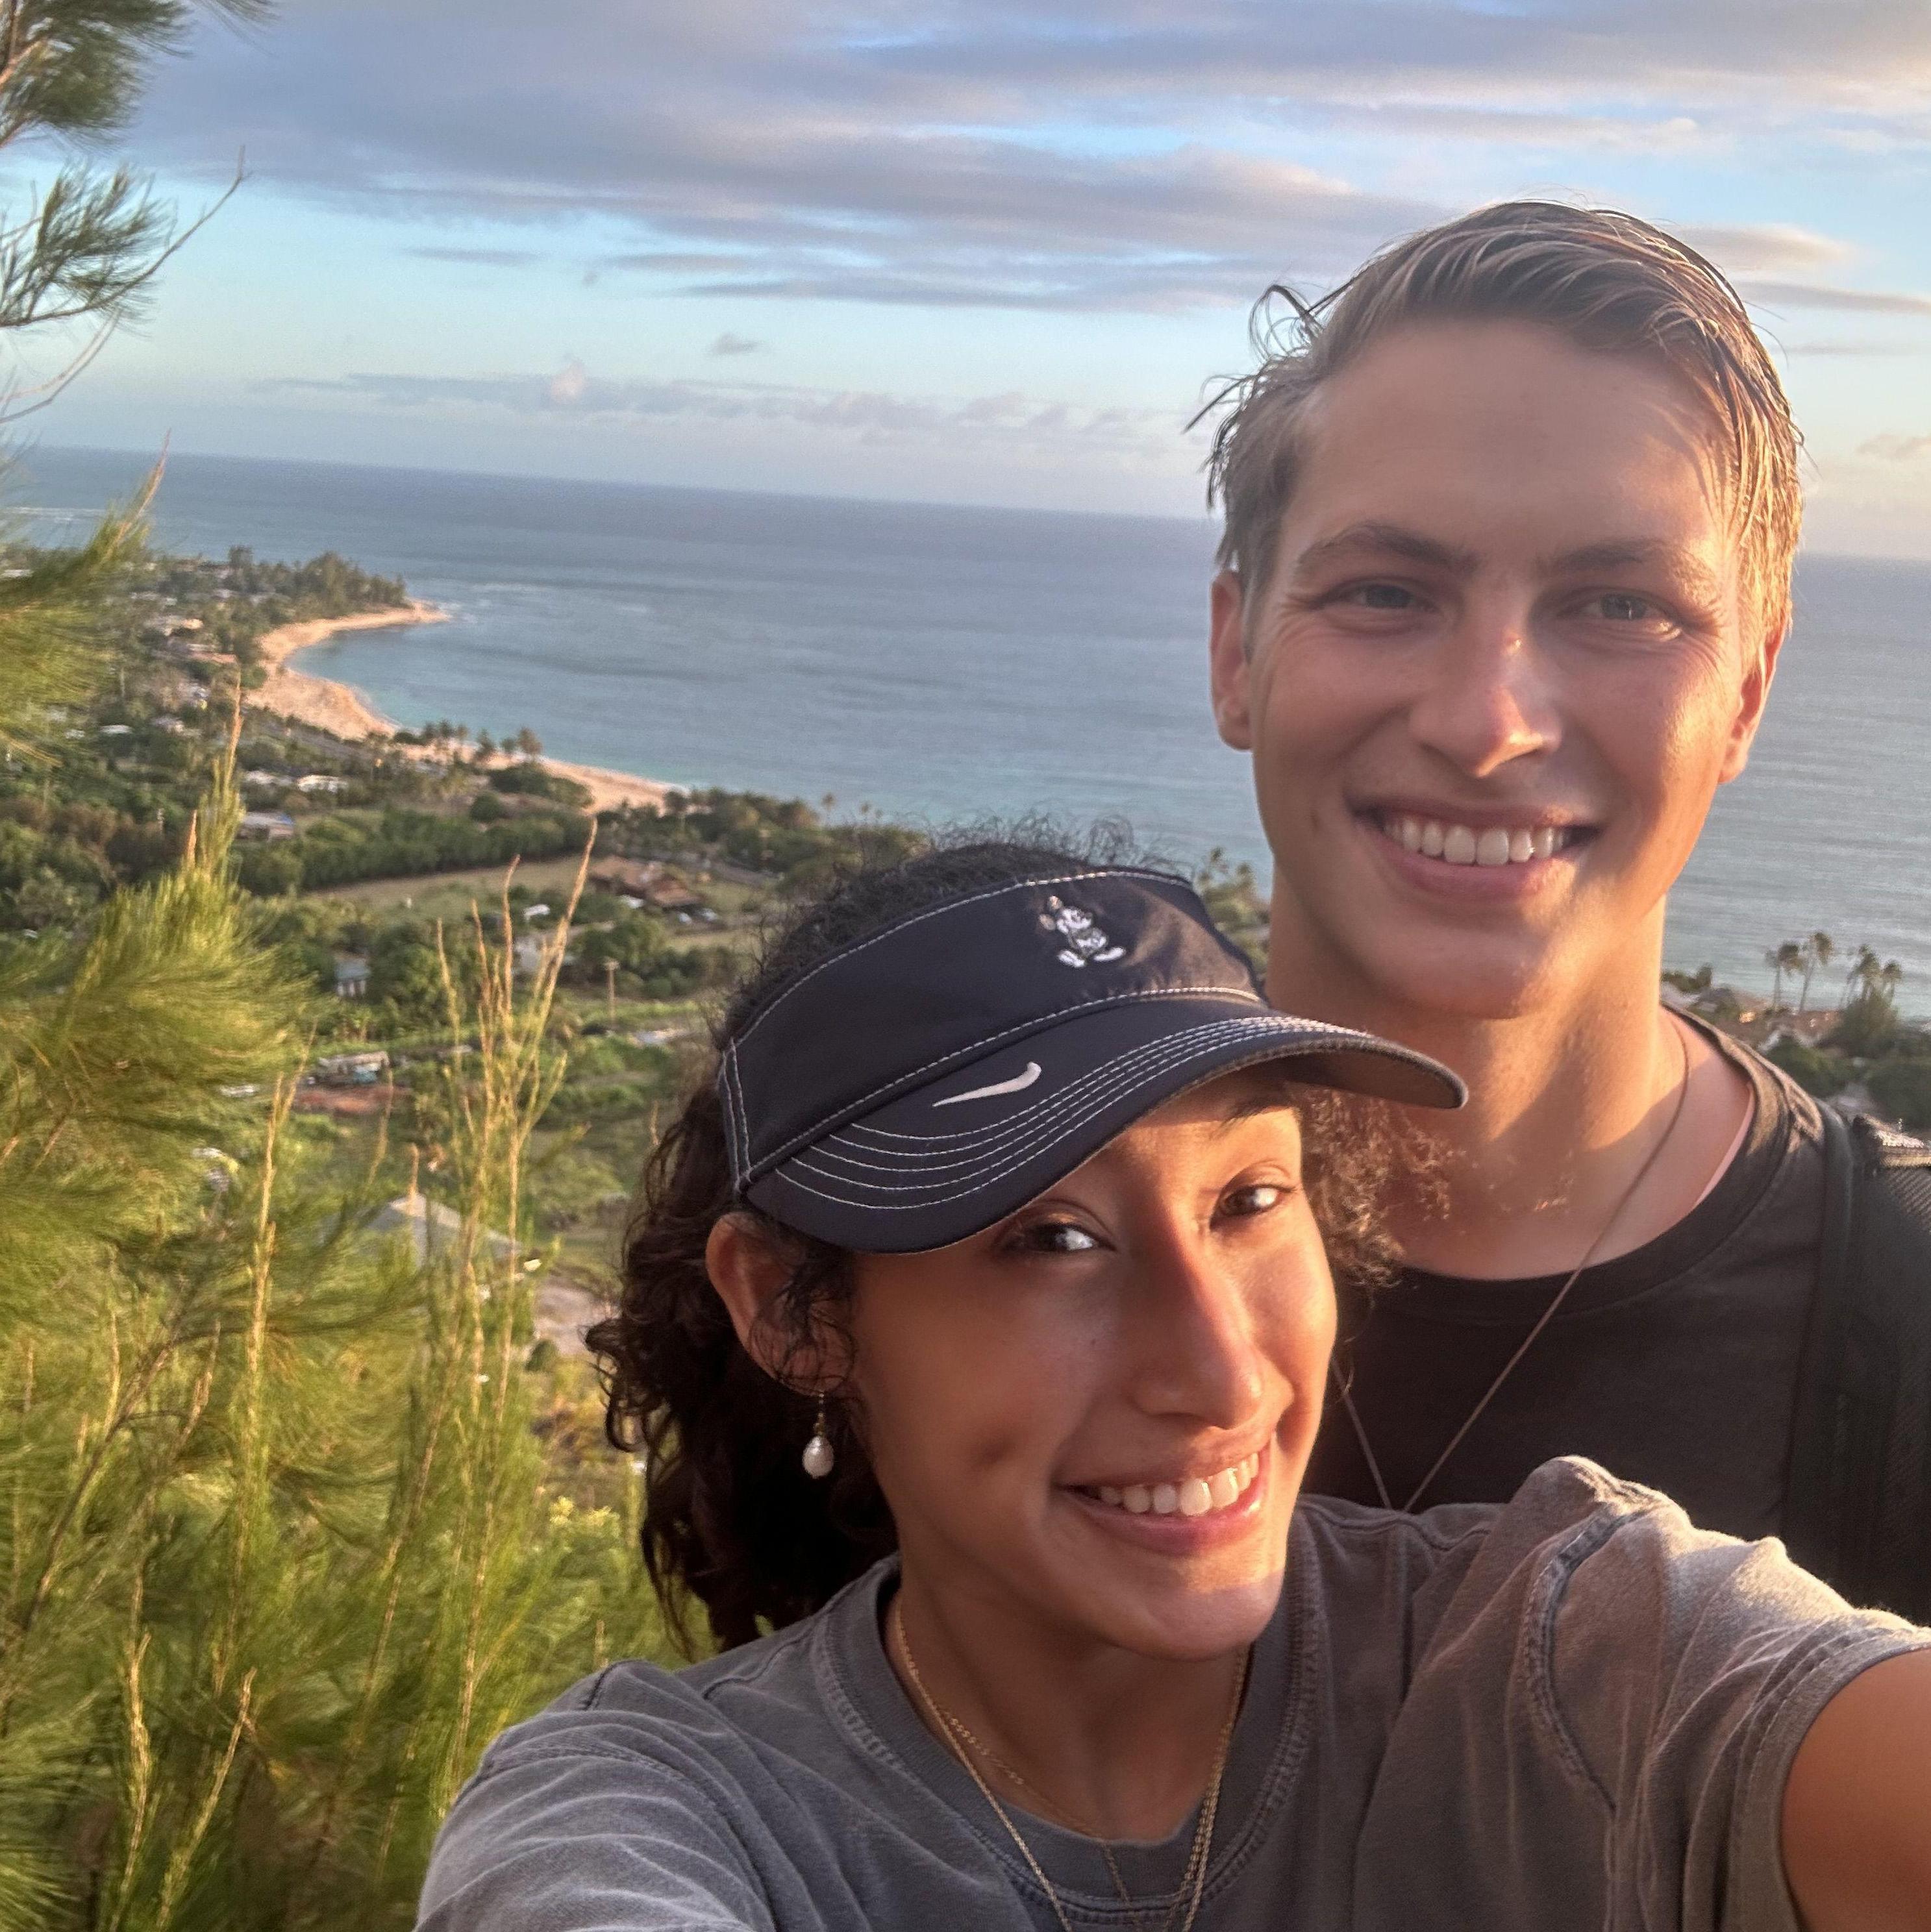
[941, 1162]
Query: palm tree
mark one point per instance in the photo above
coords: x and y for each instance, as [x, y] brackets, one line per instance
[1787, 957]
[1817, 951]
[1862, 968]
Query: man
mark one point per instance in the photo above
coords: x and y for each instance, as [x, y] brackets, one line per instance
[1505, 574]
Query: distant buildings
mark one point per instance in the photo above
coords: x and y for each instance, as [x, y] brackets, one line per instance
[267, 825]
[647, 881]
[351, 1069]
[352, 978]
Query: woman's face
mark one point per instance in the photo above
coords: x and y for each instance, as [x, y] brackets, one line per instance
[1096, 1415]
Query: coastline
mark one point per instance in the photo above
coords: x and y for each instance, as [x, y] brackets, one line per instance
[325, 705]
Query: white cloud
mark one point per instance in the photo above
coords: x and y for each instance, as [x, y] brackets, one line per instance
[1010, 419]
[1774, 295]
[568, 386]
[1023, 154]
[1896, 448]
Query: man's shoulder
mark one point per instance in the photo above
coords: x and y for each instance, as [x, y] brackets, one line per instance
[1798, 1112]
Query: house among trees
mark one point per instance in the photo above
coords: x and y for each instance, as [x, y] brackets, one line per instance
[352, 978]
[647, 880]
[351, 1069]
[269, 825]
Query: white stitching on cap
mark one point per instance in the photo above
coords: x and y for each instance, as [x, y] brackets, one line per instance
[848, 1135]
[950, 905]
[1114, 1078]
[741, 1121]
[1034, 1025]
[1072, 1097]
[977, 1187]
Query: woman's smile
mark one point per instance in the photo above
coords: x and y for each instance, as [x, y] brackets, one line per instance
[1181, 1514]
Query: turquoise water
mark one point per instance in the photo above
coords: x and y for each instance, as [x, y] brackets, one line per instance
[946, 662]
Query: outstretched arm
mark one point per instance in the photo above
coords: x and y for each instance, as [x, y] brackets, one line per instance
[1857, 1812]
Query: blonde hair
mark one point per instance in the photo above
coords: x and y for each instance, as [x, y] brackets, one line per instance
[1608, 282]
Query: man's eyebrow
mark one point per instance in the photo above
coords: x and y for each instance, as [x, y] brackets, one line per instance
[1628, 553]
[1372, 538]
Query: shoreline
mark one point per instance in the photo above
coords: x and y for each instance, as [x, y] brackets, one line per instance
[324, 704]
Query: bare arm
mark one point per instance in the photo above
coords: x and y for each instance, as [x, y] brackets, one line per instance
[1857, 1812]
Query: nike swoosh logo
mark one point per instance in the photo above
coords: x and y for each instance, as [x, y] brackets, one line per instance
[1018, 1084]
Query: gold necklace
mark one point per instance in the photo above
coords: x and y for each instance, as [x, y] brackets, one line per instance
[959, 1735]
[1529, 1340]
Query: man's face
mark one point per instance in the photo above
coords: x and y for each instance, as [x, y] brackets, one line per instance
[1502, 664]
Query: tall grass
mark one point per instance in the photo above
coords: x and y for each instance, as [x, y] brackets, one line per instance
[283, 1542]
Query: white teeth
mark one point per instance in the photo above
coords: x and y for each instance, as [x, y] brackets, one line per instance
[1464, 845]
[1193, 1496]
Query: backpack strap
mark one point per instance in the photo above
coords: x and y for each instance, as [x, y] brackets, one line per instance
[1857, 1509]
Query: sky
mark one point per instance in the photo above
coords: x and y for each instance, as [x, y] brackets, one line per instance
[992, 251]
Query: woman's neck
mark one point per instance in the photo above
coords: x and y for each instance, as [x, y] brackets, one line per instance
[1066, 1726]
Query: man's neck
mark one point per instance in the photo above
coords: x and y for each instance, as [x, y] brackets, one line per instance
[1568, 1103]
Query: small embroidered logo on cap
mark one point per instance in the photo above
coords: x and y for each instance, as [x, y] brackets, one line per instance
[1085, 945]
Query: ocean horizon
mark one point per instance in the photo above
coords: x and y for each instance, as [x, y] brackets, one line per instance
[942, 663]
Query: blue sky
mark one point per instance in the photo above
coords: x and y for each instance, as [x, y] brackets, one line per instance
[976, 251]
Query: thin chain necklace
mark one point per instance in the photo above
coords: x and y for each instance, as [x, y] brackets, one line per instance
[965, 1741]
[1529, 1341]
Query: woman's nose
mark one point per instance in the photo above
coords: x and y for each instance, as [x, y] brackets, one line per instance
[1199, 1354]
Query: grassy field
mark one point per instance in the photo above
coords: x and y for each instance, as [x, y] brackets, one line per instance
[449, 896]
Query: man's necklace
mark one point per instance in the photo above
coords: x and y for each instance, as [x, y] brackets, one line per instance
[966, 1743]
[1529, 1340]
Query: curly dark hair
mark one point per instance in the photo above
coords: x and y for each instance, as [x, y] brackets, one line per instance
[730, 1520]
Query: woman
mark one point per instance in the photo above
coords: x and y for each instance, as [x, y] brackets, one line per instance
[976, 1320]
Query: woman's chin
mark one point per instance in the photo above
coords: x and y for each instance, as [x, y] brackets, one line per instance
[1188, 1626]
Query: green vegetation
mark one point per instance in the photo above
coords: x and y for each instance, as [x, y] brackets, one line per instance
[345, 846]
[288, 1524]
[1862, 1049]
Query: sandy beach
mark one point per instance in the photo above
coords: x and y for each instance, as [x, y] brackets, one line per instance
[327, 705]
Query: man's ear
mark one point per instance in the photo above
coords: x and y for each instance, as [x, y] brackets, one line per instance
[749, 1271]
[1228, 659]
[1751, 699]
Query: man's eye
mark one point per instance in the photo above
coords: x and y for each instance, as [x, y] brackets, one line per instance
[1623, 607]
[1257, 1198]
[1053, 1237]
[1381, 597]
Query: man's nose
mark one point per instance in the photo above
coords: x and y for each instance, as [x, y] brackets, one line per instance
[1487, 701]
[1198, 1354]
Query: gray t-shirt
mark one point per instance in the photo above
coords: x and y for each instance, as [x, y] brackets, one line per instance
[1575, 1710]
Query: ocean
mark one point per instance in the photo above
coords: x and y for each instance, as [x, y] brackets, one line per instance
[946, 663]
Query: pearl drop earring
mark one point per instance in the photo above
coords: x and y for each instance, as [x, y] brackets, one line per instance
[819, 1454]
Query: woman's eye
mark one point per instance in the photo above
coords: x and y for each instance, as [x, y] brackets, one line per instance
[1256, 1198]
[1054, 1238]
